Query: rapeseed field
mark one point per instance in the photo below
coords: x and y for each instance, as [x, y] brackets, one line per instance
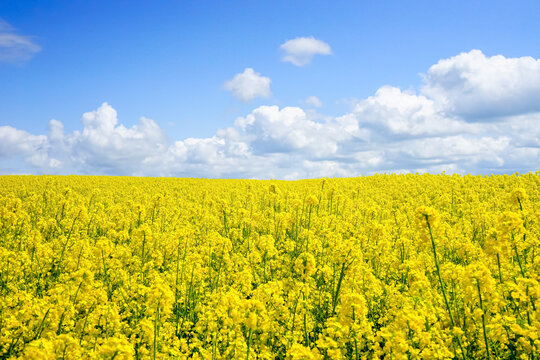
[377, 267]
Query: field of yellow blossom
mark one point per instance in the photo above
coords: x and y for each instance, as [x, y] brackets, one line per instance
[384, 266]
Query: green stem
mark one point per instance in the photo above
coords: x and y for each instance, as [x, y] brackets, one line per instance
[483, 318]
[248, 344]
[294, 316]
[308, 227]
[442, 284]
[85, 322]
[499, 266]
[336, 295]
[305, 321]
[518, 257]
[156, 321]
[355, 341]
[40, 327]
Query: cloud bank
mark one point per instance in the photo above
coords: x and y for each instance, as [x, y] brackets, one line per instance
[471, 116]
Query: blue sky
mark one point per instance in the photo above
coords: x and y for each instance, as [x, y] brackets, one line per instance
[171, 61]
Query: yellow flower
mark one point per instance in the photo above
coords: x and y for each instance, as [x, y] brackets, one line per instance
[518, 197]
[300, 352]
[312, 200]
[305, 265]
[117, 348]
[427, 222]
[510, 223]
[251, 321]
[427, 215]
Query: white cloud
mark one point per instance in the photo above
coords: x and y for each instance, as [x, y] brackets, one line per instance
[20, 145]
[301, 50]
[108, 147]
[391, 131]
[475, 86]
[271, 130]
[313, 101]
[102, 147]
[394, 112]
[249, 85]
[15, 47]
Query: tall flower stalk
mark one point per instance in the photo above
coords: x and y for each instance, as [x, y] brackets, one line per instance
[443, 290]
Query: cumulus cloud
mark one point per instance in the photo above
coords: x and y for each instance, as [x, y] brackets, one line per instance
[391, 131]
[392, 112]
[269, 129]
[15, 47]
[475, 86]
[249, 85]
[102, 147]
[313, 101]
[33, 149]
[105, 145]
[301, 50]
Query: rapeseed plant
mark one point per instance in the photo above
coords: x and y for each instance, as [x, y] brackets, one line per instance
[386, 266]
